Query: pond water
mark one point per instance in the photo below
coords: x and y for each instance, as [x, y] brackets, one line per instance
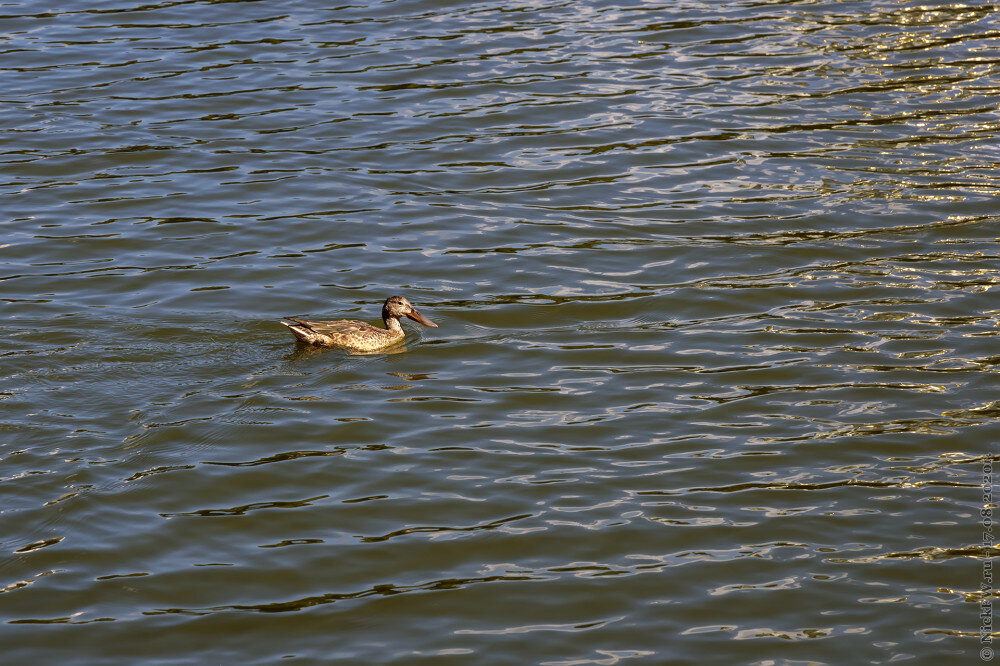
[715, 377]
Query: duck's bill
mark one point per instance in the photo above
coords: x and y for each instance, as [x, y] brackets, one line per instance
[420, 319]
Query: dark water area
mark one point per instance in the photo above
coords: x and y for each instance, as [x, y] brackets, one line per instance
[716, 372]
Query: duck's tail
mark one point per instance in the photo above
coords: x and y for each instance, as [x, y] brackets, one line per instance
[298, 323]
[301, 329]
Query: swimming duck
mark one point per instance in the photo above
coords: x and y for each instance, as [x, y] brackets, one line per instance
[357, 335]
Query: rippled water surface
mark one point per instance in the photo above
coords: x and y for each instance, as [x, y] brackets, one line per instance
[715, 378]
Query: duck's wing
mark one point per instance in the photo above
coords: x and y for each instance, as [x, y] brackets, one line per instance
[334, 326]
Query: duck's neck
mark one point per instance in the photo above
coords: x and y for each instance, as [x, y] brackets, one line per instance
[392, 323]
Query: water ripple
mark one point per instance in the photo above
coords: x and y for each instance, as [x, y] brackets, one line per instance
[713, 286]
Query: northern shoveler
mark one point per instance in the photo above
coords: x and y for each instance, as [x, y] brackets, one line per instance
[357, 335]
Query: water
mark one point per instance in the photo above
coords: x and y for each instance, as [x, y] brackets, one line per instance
[715, 377]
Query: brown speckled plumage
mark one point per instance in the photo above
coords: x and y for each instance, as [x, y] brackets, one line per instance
[357, 335]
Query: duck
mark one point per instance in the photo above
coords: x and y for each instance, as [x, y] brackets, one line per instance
[357, 335]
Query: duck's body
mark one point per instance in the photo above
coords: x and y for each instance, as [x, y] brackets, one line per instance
[357, 335]
[346, 333]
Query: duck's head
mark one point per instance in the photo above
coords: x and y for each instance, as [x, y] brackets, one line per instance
[397, 306]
